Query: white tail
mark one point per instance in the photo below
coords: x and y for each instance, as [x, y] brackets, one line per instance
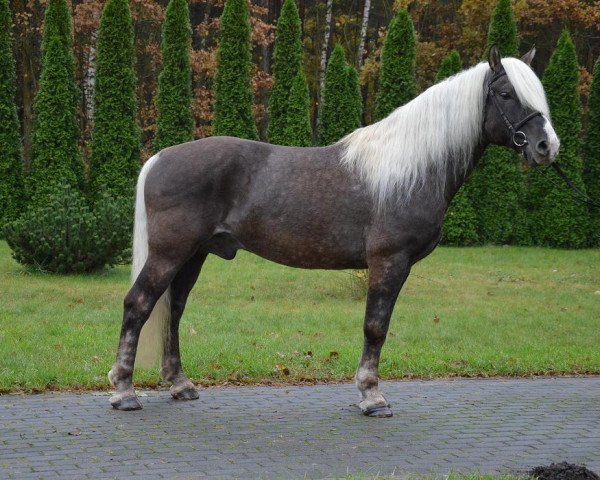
[154, 332]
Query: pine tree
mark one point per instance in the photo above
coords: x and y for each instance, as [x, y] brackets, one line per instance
[451, 65]
[559, 220]
[397, 84]
[287, 64]
[339, 112]
[591, 152]
[11, 164]
[233, 113]
[497, 184]
[460, 224]
[116, 138]
[298, 130]
[55, 157]
[175, 122]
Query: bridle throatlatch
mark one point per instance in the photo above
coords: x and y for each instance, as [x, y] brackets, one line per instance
[518, 137]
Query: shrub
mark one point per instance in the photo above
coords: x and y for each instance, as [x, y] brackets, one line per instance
[298, 131]
[65, 236]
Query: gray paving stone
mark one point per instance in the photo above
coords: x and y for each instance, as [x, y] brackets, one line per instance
[488, 426]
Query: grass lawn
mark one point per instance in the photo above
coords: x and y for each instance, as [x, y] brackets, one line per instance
[476, 311]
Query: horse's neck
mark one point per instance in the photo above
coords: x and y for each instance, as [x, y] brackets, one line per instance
[456, 179]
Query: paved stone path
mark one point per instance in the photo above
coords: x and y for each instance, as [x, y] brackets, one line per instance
[487, 426]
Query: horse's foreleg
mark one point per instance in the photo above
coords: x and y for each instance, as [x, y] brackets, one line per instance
[181, 387]
[386, 277]
[139, 302]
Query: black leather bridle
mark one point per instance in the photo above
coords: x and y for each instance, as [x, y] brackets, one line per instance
[518, 137]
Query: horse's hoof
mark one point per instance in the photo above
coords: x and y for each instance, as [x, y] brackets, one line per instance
[378, 411]
[187, 393]
[126, 404]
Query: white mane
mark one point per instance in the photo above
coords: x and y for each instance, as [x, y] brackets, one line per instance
[436, 131]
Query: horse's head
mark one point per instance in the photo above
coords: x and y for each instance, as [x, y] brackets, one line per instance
[516, 111]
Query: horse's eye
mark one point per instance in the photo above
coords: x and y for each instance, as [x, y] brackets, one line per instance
[504, 94]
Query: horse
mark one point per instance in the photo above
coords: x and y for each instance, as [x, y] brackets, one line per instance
[376, 199]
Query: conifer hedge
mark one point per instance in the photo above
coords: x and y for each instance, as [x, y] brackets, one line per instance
[397, 84]
[460, 224]
[558, 219]
[298, 131]
[115, 138]
[340, 111]
[55, 156]
[11, 164]
[591, 152]
[497, 186]
[175, 122]
[233, 113]
[287, 65]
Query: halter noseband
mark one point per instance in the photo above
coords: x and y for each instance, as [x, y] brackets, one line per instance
[518, 137]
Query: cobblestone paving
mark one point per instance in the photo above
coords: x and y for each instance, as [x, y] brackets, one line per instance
[487, 426]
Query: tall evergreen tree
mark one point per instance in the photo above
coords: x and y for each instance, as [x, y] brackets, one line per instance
[460, 224]
[559, 220]
[298, 131]
[11, 164]
[287, 56]
[591, 152]
[339, 112]
[397, 83]
[233, 113]
[55, 156]
[497, 185]
[115, 137]
[354, 93]
[175, 122]
[451, 65]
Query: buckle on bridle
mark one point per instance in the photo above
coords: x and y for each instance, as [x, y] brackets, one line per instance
[519, 139]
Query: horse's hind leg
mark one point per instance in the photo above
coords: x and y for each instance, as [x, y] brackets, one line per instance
[386, 277]
[181, 387]
[151, 283]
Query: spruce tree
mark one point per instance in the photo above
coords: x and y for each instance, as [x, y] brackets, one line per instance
[339, 112]
[298, 130]
[11, 164]
[497, 184]
[397, 84]
[591, 152]
[558, 219]
[175, 122]
[460, 224]
[451, 65]
[115, 138]
[233, 113]
[55, 156]
[287, 63]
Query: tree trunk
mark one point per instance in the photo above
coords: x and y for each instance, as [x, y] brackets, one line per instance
[324, 50]
[363, 34]
[89, 79]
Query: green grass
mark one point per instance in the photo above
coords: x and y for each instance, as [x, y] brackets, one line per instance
[468, 312]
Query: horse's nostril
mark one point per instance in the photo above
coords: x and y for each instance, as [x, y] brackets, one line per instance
[542, 147]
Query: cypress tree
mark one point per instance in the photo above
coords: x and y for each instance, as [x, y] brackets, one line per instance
[397, 84]
[11, 164]
[591, 152]
[175, 122]
[497, 185]
[339, 112]
[116, 137]
[55, 157]
[355, 94]
[298, 130]
[559, 220]
[233, 113]
[460, 224]
[287, 64]
[451, 65]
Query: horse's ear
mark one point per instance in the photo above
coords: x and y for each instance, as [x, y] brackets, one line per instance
[528, 57]
[494, 59]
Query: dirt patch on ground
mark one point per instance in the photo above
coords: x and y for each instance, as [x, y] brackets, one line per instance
[563, 471]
